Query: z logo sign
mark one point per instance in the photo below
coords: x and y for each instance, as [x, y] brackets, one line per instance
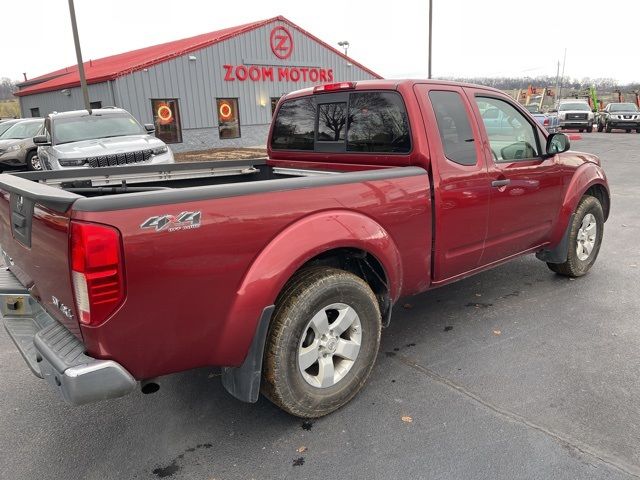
[173, 223]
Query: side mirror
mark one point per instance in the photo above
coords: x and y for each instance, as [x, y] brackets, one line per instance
[41, 140]
[150, 127]
[557, 143]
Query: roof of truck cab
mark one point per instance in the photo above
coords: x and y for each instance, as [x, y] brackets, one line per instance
[85, 113]
[391, 84]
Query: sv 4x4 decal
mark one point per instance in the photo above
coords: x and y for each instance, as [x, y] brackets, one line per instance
[172, 223]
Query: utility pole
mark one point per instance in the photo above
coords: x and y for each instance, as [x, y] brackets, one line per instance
[430, 32]
[557, 81]
[564, 61]
[76, 41]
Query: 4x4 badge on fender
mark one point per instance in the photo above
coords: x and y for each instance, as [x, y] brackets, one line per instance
[172, 223]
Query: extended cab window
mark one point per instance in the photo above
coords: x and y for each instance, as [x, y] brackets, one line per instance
[454, 127]
[294, 127]
[510, 135]
[377, 123]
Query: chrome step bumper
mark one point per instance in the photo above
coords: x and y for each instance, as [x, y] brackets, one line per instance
[54, 353]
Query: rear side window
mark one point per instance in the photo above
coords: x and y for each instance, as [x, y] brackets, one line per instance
[454, 127]
[359, 122]
[377, 123]
[294, 126]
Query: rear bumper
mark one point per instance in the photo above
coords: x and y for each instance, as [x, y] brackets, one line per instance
[54, 353]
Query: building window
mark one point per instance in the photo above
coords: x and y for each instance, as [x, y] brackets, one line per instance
[96, 105]
[274, 103]
[228, 118]
[35, 112]
[166, 119]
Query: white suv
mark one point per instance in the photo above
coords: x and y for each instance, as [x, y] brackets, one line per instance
[107, 137]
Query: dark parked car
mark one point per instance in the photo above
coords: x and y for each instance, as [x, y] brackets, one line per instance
[625, 116]
[16, 145]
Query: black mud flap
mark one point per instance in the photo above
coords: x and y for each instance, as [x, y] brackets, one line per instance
[560, 252]
[243, 382]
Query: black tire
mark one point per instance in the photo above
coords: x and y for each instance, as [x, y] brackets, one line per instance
[628, 130]
[33, 162]
[590, 129]
[574, 267]
[607, 128]
[600, 127]
[306, 294]
[581, 130]
[637, 130]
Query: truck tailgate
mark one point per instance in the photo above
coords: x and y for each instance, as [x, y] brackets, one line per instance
[34, 235]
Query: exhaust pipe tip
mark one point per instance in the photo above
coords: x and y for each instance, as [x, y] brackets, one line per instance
[148, 387]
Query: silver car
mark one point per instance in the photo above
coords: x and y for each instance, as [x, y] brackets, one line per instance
[105, 138]
[16, 144]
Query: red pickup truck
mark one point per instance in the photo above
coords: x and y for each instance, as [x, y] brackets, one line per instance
[283, 270]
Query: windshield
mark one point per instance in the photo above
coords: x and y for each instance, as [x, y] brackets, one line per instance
[623, 107]
[5, 126]
[582, 107]
[90, 127]
[532, 108]
[22, 130]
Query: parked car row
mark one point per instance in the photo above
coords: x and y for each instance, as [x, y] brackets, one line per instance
[78, 139]
[577, 114]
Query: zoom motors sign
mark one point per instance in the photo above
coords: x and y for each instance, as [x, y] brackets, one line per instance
[282, 46]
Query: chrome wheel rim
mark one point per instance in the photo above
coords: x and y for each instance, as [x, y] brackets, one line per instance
[35, 163]
[586, 238]
[330, 345]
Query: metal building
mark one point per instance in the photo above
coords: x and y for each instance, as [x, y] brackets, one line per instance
[212, 90]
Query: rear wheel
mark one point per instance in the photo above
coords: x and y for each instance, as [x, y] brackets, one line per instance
[33, 162]
[590, 129]
[637, 130]
[585, 238]
[322, 342]
[581, 130]
[600, 127]
[628, 130]
[607, 128]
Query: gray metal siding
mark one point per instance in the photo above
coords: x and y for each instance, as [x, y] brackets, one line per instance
[197, 84]
[49, 102]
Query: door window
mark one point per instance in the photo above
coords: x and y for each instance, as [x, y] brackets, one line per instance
[510, 135]
[454, 127]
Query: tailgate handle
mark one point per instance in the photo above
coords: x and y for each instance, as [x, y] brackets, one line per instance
[19, 221]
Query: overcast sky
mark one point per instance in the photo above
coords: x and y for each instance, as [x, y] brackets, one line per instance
[470, 37]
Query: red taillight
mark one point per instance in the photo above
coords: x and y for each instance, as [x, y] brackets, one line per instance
[330, 87]
[96, 271]
[546, 122]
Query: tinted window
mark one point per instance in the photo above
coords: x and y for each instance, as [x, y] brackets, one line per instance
[332, 118]
[623, 107]
[377, 123]
[453, 124]
[294, 125]
[511, 136]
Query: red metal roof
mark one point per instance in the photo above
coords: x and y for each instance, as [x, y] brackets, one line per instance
[109, 68]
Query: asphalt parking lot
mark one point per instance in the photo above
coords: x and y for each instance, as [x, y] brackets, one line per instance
[514, 373]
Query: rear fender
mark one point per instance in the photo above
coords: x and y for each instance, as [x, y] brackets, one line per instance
[585, 177]
[280, 259]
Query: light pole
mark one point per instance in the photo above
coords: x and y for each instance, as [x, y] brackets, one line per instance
[76, 41]
[430, 35]
[344, 44]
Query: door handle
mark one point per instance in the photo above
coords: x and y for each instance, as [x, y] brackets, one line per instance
[500, 183]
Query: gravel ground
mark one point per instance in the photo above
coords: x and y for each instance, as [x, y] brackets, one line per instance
[514, 373]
